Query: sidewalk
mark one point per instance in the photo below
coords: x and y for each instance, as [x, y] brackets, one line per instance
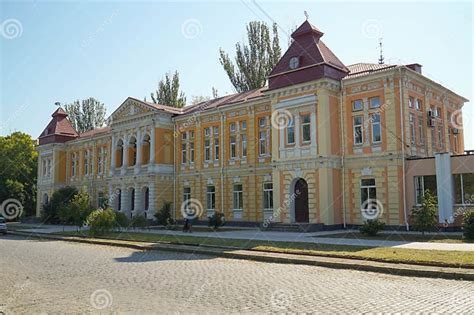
[249, 234]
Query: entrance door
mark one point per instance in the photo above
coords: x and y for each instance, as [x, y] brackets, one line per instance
[301, 201]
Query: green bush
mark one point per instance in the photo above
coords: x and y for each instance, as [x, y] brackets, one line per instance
[216, 220]
[101, 221]
[425, 218]
[139, 221]
[53, 208]
[163, 216]
[372, 227]
[121, 220]
[468, 225]
[78, 209]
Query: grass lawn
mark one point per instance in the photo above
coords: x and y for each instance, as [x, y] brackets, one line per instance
[384, 254]
[399, 236]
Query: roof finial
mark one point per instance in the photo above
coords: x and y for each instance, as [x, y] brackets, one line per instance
[58, 104]
[381, 58]
[306, 14]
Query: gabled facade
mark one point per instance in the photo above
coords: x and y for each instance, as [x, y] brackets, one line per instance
[324, 145]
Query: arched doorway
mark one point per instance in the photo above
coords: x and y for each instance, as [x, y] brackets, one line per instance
[301, 201]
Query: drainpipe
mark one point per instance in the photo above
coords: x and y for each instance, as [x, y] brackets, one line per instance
[174, 167]
[341, 102]
[222, 159]
[402, 124]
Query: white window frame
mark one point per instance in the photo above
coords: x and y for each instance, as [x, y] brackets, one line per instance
[367, 187]
[233, 147]
[412, 128]
[356, 127]
[305, 125]
[354, 102]
[191, 152]
[207, 150]
[184, 153]
[290, 129]
[373, 98]
[268, 195]
[211, 198]
[237, 197]
[376, 124]
[262, 143]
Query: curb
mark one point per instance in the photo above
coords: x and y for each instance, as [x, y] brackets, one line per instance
[328, 262]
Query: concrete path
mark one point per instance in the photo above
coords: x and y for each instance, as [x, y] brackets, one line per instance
[249, 234]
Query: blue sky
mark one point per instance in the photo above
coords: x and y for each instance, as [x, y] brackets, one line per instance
[68, 50]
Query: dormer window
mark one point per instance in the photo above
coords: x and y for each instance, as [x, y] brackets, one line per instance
[294, 62]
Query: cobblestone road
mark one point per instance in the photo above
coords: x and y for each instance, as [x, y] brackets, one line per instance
[53, 276]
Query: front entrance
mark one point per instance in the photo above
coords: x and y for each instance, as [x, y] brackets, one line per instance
[301, 201]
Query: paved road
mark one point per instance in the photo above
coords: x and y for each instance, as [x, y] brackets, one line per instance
[54, 276]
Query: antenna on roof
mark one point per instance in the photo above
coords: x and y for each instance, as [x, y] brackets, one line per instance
[306, 14]
[381, 58]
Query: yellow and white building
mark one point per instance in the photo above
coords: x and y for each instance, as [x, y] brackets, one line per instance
[324, 145]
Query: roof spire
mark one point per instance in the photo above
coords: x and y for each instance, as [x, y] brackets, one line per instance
[381, 58]
[306, 15]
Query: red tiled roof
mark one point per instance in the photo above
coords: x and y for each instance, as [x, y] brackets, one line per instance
[94, 132]
[361, 69]
[59, 129]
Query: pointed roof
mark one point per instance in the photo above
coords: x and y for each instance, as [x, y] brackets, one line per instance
[314, 60]
[59, 129]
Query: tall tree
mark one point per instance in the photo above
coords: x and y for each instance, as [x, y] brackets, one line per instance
[255, 60]
[86, 114]
[18, 170]
[168, 92]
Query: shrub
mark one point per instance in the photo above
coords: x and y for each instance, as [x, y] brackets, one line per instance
[425, 217]
[79, 209]
[372, 227]
[139, 221]
[121, 220]
[59, 199]
[216, 220]
[163, 216]
[101, 221]
[468, 225]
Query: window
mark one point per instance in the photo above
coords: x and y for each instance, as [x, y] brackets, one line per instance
[147, 198]
[368, 192]
[411, 101]
[118, 194]
[207, 150]
[262, 122]
[237, 200]
[357, 105]
[191, 152]
[262, 143]
[438, 112]
[243, 141]
[233, 147]
[207, 132]
[412, 129]
[418, 104]
[376, 130]
[211, 197]
[132, 199]
[423, 183]
[374, 102]
[455, 136]
[267, 196]
[186, 194]
[48, 168]
[232, 127]
[243, 125]
[74, 164]
[216, 131]
[86, 162]
[306, 127]
[191, 135]
[184, 136]
[290, 132]
[420, 130]
[102, 160]
[440, 135]
[216, 148]
[464, 188]
[358, 136]
[183, 153]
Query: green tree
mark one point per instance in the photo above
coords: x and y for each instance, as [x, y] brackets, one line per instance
[101, 221]
[86, 114]
[54, 211]
[163, 216]
[18, 170]
[253, 61]
[79, 208]
[425, 217]
[168, 92]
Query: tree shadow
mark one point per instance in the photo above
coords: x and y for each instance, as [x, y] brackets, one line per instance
[161, 255]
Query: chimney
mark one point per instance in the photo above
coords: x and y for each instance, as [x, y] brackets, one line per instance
[415, 67]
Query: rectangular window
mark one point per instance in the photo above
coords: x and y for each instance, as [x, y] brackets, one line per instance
[376, 130]
[290, 132]
[191, 152]
[423, 183]
[243, 125]
[262, 122]
[411, 101]
[374, 102]
[207, 132]
[211, 197]
[184, 136]
[237, 200]
[186, 194]
[183, 153]
[232, 127]
[267, 196]
[207, 150]
[191, 135]
[233, 147]
[368, 192]
[421, 134]
[262, 141]
[412, 129]
[358, 134]
[418, 104]
[357, 105]
[243, 141]
[216, 148]
[306, 128]
[455, 136]
[440, 135]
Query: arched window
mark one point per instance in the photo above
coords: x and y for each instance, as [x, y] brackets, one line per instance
[118, 197]
[132, 152]
[146, 197]
[132, 199]
[119, 154]
[146, 150]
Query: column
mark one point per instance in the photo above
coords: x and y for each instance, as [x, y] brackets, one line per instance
[313, 131]
[125, 154]
[296, 117]
[138, 200]
[152, 200]
[111, 197]
[151, 164]
[124, 200]
[139, 152]
[112, 156]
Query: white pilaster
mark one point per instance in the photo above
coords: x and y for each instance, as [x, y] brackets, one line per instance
[138, 164]
[112, 156]
[125, 154]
